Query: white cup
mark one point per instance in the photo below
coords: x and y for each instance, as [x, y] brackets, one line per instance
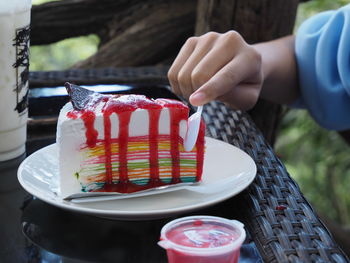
[14, 69]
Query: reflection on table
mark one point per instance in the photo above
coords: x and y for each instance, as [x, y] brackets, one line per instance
[34, 231]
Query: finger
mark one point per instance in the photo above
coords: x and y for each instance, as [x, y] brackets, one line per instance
[203, 46]
[234, 72]
[221, 54]
[179, 61]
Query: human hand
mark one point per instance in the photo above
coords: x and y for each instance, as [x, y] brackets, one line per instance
[217, 66]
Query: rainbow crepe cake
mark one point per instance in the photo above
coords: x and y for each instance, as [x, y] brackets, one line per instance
[124, 143]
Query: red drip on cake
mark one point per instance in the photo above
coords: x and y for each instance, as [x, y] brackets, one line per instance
[178, 112]
[123, 106]
[153, 146]
[91, 134]
[200, 150]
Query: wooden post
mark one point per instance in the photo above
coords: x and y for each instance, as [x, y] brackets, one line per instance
[256, 21]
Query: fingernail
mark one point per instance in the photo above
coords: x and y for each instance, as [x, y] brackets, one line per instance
[198, 98]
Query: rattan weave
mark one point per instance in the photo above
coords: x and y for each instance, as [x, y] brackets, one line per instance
[281, 222]
[96, 76]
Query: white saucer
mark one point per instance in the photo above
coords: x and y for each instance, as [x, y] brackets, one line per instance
[222, 160]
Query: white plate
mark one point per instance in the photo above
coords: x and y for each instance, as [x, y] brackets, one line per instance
[221, 161]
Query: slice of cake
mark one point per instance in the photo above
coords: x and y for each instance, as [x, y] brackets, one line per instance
[124, 143]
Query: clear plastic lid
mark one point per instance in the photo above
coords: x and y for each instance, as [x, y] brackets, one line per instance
[203, 235]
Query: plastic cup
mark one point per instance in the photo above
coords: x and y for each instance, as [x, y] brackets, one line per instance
[203, 239]
[14, 64]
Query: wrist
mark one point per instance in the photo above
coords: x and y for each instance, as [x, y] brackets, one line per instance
[267, 65]
[279, 70]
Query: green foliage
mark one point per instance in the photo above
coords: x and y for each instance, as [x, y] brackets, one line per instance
[38, 2]
[319, 161]
[63, 54]
[311, 8]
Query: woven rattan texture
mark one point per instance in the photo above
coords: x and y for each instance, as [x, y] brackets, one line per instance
[282, 223]
[143, 75]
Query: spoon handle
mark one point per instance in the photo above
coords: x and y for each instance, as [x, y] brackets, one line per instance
[193, 124]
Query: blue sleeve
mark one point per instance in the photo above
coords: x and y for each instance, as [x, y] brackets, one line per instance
[322, 52]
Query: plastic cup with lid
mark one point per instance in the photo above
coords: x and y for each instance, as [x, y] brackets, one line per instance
[14, 74]
[202, 239]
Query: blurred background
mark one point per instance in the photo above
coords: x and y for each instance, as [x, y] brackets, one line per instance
[317, 159]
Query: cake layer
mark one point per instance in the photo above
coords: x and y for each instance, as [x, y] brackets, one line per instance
[125, 144]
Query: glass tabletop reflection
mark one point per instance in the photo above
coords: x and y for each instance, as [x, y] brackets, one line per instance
[34, 231]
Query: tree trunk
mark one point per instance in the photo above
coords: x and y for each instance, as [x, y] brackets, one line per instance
[132, 33]
[58, 20]
[346, 136]
[256, 21]
[146, 36]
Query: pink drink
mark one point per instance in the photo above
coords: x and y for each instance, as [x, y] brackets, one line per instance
[202, 239]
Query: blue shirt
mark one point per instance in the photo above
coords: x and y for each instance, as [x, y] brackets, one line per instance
[322, 51]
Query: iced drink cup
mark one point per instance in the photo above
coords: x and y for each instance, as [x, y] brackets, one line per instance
[204, 239]
[14, 64]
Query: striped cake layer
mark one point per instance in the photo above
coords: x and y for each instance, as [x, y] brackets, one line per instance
[92, 176]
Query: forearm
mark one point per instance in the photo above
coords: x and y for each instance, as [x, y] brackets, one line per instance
[279, 70]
